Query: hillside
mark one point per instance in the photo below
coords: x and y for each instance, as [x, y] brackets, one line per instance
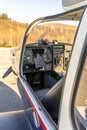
[11, 32]
[60, 32]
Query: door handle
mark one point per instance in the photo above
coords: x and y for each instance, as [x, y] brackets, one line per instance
[36, 120]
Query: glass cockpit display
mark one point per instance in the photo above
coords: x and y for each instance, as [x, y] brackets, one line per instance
[38, 58]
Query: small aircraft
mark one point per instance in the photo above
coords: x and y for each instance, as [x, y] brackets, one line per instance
[52, 75]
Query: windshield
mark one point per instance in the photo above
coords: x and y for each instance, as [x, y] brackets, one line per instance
[52, 30]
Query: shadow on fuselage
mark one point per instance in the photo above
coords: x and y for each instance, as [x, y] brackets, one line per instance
[9, 99]
[12, 115]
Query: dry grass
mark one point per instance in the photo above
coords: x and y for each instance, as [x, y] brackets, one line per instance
[60, 32]
[11, 33]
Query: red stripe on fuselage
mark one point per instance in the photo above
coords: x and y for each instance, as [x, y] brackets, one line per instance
[30, 101]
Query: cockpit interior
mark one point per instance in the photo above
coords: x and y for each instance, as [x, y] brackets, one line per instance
[44, 67]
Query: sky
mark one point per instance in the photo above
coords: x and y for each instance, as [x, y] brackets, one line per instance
[28, 10]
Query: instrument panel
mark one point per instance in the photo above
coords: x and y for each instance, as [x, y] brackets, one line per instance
[37, 58]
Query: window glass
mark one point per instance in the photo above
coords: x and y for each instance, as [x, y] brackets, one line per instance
[81, 98]
[61, 35]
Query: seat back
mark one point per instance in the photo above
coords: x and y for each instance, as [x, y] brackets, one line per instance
[51, 100]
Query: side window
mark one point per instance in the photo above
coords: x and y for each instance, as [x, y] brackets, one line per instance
[81, 96]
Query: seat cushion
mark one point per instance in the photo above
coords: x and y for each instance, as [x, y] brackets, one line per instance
[50, 98]
[42, 92]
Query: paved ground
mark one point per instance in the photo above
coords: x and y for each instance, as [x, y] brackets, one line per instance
[10, 99]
